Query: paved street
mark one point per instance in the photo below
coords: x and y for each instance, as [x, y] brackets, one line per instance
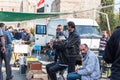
[16, 74]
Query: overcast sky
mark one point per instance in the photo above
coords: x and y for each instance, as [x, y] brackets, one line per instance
[117, 6]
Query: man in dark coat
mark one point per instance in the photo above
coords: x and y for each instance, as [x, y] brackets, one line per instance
[72, 46]
[112, 54]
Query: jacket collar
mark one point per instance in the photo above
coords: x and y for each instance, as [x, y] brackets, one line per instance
[88, 52]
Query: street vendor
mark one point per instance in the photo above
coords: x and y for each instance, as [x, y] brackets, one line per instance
[28, 37]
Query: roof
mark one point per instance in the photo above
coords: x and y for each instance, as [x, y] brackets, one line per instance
[84, 21]
[78, 21]
[18, 16]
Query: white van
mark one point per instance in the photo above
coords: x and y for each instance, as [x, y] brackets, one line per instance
[88, 30]
[40, 32]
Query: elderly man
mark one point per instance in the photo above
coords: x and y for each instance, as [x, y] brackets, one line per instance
[28, 37]
[90, 69]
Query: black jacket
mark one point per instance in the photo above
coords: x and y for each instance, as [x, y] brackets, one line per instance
[112, 54]
[72, 44]
[60, 54]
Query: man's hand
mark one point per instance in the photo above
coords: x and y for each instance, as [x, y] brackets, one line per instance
[3, 49]
[58, 40]
[77, 70]
[23, 42]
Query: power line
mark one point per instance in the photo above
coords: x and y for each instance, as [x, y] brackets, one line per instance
[102, 7]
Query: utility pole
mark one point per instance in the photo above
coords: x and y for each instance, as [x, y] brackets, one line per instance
[108, 24]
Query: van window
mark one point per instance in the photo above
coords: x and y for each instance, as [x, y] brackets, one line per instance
[65, 27]
[87, 30]
[40, 29]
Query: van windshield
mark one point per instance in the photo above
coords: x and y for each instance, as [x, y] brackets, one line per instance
[87, 30]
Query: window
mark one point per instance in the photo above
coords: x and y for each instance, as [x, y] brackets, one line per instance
[87, 30]
[40, 29]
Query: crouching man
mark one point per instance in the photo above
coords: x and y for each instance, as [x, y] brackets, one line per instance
[90, 69]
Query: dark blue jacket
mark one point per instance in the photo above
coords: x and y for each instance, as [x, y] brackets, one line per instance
[7, 38]
[17, 35]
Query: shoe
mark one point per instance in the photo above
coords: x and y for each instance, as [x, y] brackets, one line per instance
[10, 78]
[109, 77]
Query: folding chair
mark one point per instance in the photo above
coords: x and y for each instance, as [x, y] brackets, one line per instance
[37, 51]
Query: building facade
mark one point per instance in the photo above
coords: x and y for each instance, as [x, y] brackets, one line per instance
[10, 5]
[25, 6]
[79, 8]
[18, 5]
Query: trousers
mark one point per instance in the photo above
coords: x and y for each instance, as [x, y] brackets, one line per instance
[52, 69]
[73, 76]
[5, 57]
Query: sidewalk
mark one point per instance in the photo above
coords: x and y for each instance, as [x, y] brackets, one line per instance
[16, 74]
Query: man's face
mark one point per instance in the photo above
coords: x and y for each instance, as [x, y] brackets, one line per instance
[104, 33]
[83, 50]
[11, 29]
[69, 28]
[3, 27]
[59, 29]
[27, 31]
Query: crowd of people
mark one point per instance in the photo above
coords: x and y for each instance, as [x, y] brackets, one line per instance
[66, 49]
[6, 38]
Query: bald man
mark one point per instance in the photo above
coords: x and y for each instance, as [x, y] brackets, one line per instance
[90, 69]
[28, 37]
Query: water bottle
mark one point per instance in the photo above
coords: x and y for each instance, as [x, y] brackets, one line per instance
[38, 58]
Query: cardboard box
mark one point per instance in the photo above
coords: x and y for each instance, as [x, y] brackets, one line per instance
[40, 76]
[36, 71]
[36, 79]
[36, 75]
[32, 72]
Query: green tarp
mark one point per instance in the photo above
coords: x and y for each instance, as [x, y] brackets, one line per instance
[17, 16]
